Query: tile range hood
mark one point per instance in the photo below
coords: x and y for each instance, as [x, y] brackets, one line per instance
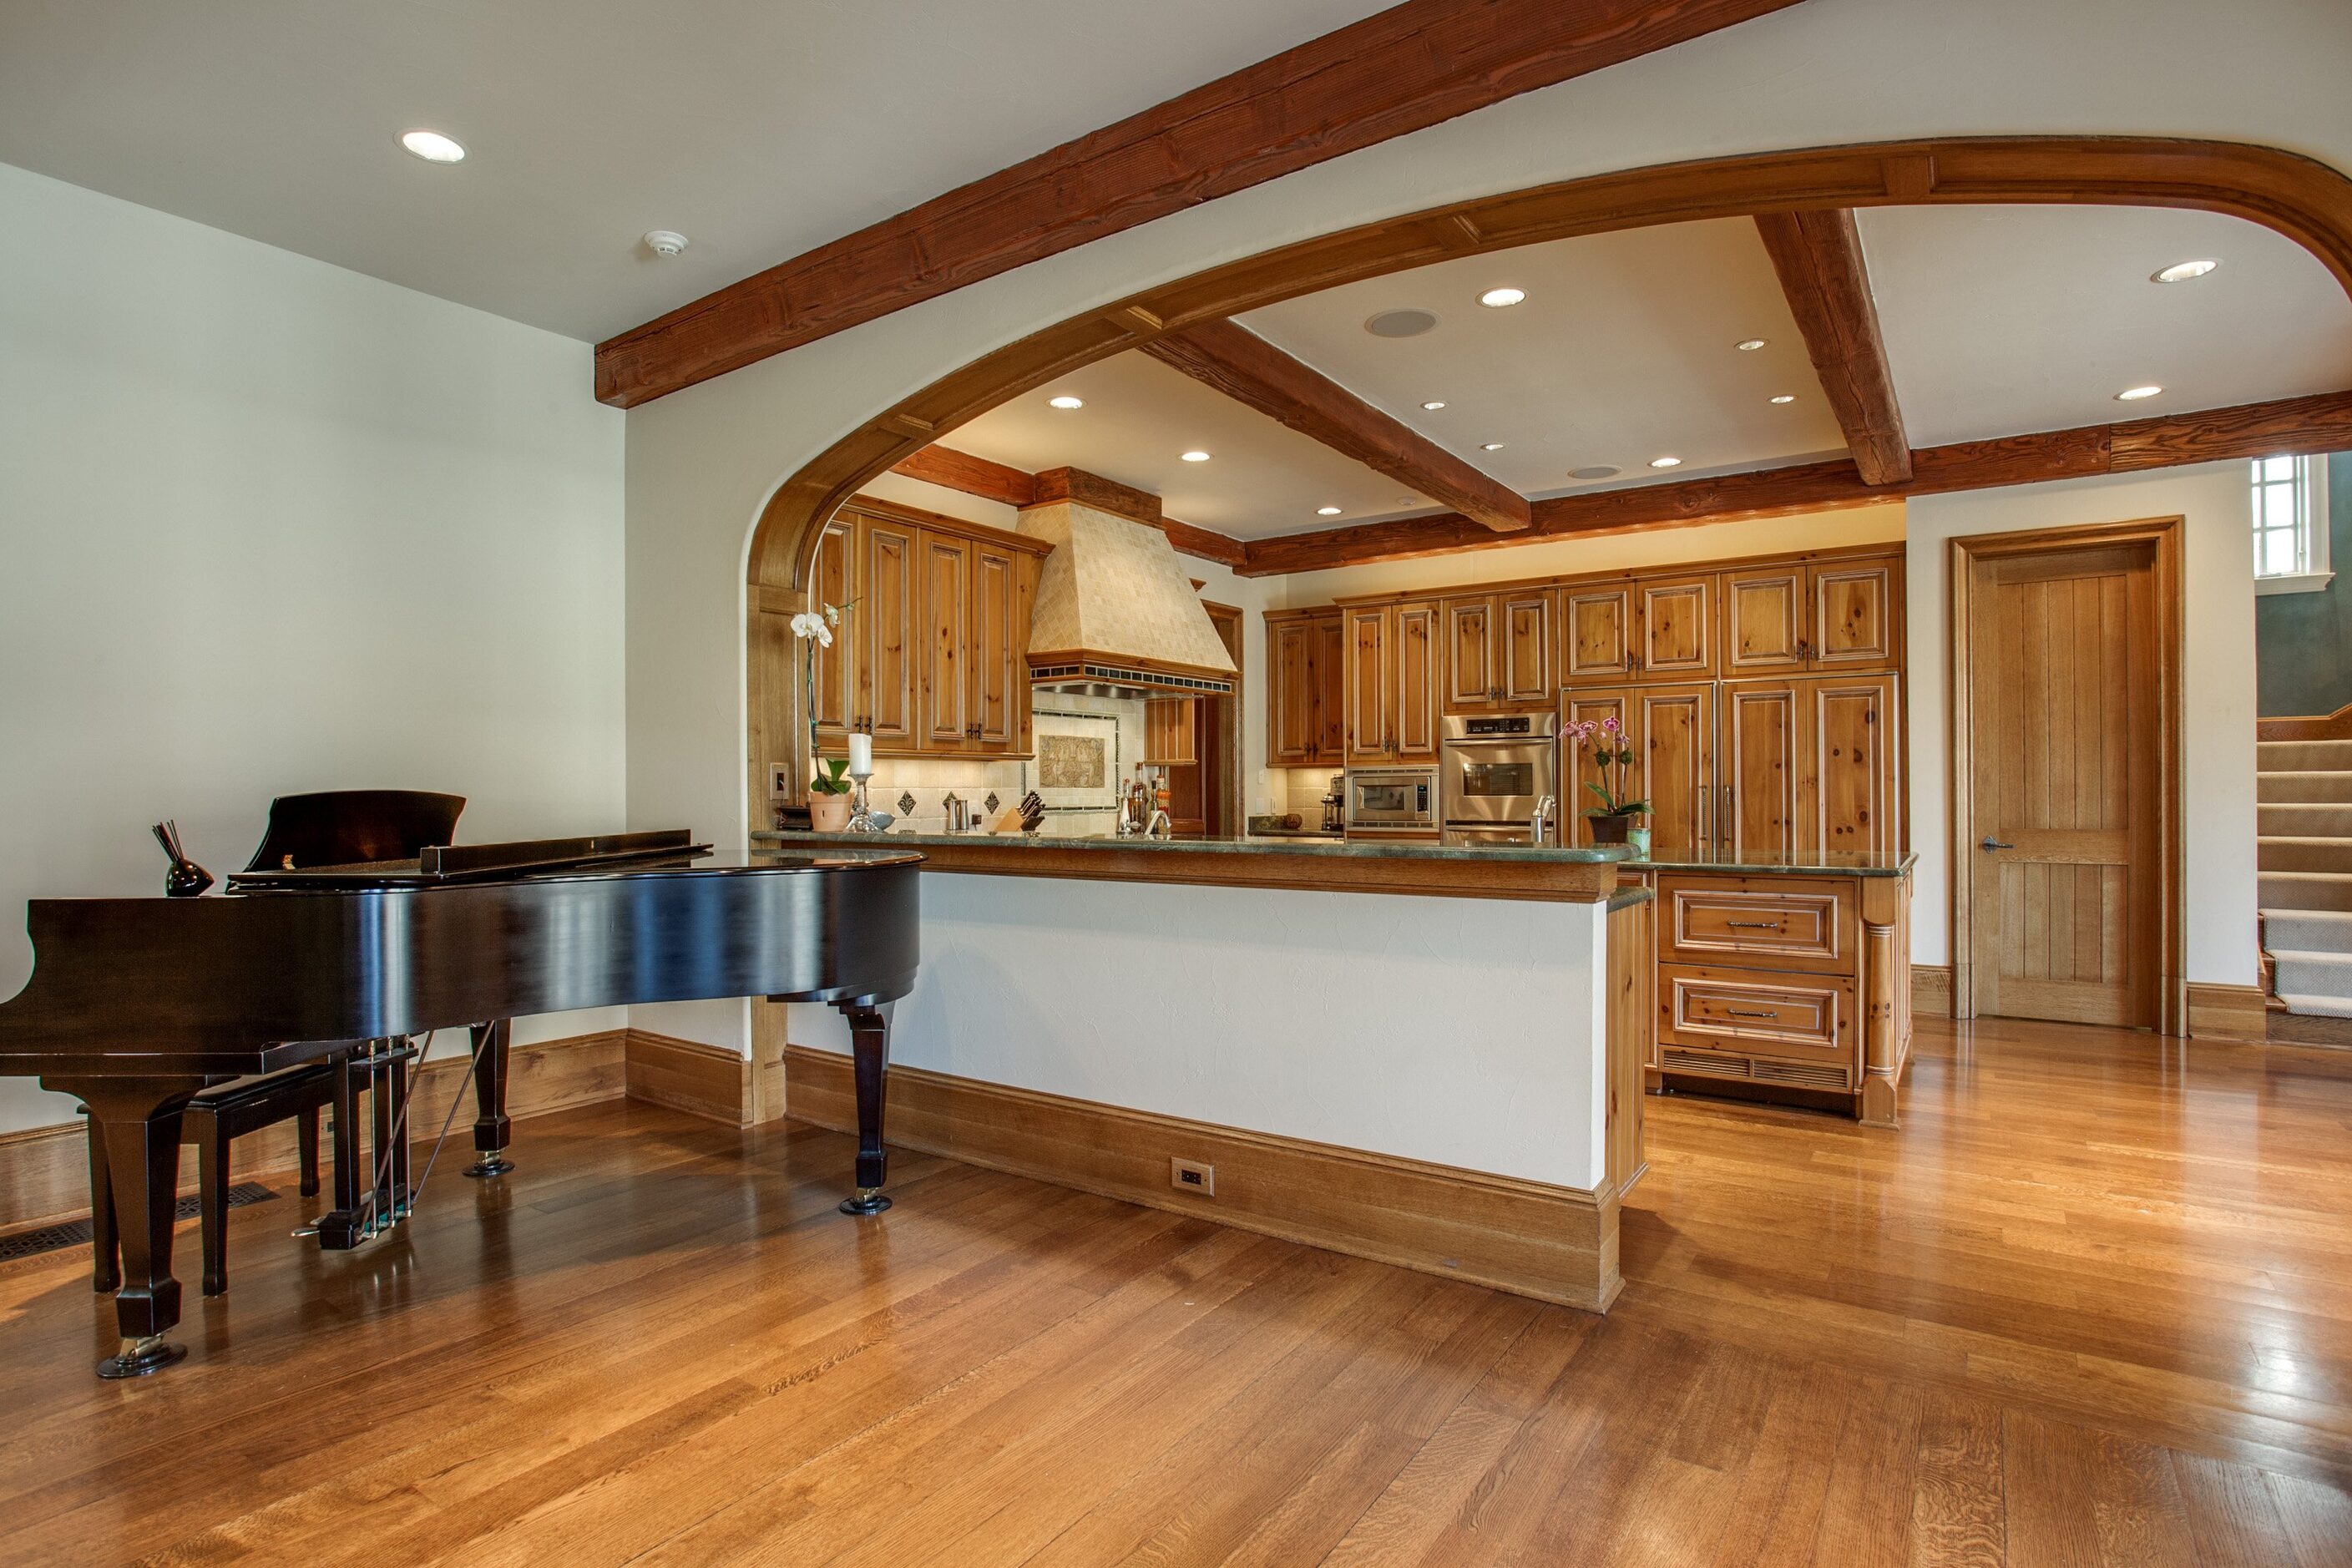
[1115, 614]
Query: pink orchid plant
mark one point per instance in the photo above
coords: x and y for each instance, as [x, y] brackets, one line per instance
[1612, 750]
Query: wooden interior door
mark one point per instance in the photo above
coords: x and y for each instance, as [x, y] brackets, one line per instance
[1677, 628]
[1675, 725]
[884, 703]
[836, 666]
[1596, 633]
[1764, 620]
[1591, 704]
[945, 569]
[1762, 767]
[1471, 682]
[1850, 793]
[1523, 640]
[1416, 683]
[1371, 687]
[999, 659]
[2065, 794]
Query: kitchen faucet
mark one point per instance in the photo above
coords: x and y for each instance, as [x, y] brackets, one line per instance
[1540, 821]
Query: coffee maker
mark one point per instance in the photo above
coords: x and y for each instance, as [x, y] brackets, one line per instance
[1335, 804]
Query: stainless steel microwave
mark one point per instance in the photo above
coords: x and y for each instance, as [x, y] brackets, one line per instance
[1392, 797]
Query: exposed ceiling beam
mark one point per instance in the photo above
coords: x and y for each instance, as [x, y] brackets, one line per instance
[1405, 69]
[1818, 255]
[2292, 425]
[996, 481]
[1244, 366]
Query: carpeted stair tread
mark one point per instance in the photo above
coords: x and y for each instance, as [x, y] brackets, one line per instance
[2305, 891]
[2302, 756]
[2307, 930]
[2286, 852]
[2304, 819]
[2311, 1007]
[2303, 784]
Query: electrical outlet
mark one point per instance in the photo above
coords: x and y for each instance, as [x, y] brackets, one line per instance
[779, 779]
[1192, 1176]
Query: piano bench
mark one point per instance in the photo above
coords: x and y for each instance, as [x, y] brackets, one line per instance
[212, 1119]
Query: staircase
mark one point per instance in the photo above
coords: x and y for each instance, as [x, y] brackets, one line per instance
[2303, 810]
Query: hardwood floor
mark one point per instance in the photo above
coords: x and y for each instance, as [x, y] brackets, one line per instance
[2091, 1305]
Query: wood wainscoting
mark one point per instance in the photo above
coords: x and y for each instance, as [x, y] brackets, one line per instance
[44, 1171]
[1556, 1244]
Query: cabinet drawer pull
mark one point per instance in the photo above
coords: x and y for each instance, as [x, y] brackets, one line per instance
[1738, 1012]
[1753, 925]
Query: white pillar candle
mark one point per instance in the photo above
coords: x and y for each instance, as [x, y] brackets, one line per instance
[861, 754]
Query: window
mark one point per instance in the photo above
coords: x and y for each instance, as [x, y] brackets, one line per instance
[2290, 525]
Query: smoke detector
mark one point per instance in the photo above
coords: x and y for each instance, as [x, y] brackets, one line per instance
[665, 241]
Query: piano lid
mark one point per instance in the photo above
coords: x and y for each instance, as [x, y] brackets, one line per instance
[441, 865]
[346, 827]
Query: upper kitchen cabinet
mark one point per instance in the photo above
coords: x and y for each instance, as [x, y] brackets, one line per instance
[1677, 618]
[1596, 633]
[1843, 612]
[1497, 651]
[1417, 663]
[835, 582]
[1306, 697]
[1394, 671]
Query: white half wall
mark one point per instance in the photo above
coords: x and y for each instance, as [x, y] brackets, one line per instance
[1460, 1031]
[268, 526]
[2218, 695]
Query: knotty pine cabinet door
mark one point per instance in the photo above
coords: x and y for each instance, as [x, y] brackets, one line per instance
[1416, 682]
[1371, 685]
[1677, 628]
[1596, 634]
[1579, 769]
[1764, 620]
[998, 674]
[1675, 726]
[1294, 727]
[944, 568]
[1472, 681]
[1857, 615]
[1523, 642]
[1853, 797]
[1763, 765]
[884, 678]
[1328, 678]
[835, 582]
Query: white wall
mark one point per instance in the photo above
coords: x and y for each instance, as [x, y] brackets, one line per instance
[702, 461]
[268, 526]
[2218, 695]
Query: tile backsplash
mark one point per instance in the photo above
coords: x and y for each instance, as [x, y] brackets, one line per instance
[931, 780]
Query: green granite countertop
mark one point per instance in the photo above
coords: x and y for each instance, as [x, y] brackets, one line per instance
[1356, 849]
[1816, 863]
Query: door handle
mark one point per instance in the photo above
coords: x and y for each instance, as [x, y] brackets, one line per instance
[1992, 844]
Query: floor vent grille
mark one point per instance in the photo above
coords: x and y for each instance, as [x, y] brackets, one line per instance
[75, 1232]
[1811, 1074]
[1711, 1062]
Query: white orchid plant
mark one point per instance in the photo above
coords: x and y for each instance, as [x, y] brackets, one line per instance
[814, 628]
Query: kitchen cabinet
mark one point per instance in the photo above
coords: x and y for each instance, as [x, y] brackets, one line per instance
[1676, 620]
[1675, 749]
[1835, 614]
[1497, 651]
[1416, 682]
[1764, 620]
[1370, 680]
[1169, 732]
[1596, 633]
[1306, 669]
[932, 654]
[1810, 764]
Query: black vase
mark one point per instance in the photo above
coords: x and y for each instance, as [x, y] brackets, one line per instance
[186, 878]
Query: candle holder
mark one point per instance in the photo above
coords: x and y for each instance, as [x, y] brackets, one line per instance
[861, 815]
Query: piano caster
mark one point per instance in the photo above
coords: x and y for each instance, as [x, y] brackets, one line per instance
[139, 1357]
[493, 1163]
[869, 1200]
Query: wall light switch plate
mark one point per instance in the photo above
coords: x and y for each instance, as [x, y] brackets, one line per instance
[779, 779]
[1192, 1176]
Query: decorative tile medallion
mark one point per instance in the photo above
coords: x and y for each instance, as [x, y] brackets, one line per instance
[905, 803]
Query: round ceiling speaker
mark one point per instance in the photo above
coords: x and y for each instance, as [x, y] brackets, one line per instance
[1597, 471]
[1401, 323]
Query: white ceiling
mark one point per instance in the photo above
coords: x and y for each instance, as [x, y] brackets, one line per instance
[757, 128]
[2001, 320]
[1997, 320]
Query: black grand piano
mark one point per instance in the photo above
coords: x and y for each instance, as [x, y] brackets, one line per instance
[134, 1005]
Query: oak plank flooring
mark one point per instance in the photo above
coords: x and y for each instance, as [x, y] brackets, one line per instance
[2092, 1304]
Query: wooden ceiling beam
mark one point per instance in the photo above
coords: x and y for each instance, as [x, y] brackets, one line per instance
[1231, 359]
[1400, 71]
[2287, 426]
[1818, 255]
[999, 482]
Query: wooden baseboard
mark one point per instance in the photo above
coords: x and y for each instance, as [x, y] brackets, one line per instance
[1931, 989]
[2228, 1013]
[1556, 1244]
[44, 1171]
[686, 1075]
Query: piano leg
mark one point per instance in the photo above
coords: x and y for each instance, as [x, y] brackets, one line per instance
[105, 1246]
[490, 1123]
[137, 1121]
[869, 1037]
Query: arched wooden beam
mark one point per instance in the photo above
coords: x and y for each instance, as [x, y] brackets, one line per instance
[2300, 197]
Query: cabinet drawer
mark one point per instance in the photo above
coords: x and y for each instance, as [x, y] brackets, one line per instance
[1779, 924]
[1805, 1018]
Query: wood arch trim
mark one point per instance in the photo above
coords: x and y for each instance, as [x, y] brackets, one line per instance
[2300, 197]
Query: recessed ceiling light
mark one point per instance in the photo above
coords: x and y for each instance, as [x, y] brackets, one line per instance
[1326, 511]
[1784, 397]
[2182, 271]
[1434, 403]
[1595, 472]
[1750, 345]
[1491, 446]
[1665, 462]
[2134, 394]
[1196, 457]
[1496, 299]
[433, 147]
[1399, 323]
[1065, 401]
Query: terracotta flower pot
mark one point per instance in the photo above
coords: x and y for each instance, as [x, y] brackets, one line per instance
[1610, 829]
[829, 813]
